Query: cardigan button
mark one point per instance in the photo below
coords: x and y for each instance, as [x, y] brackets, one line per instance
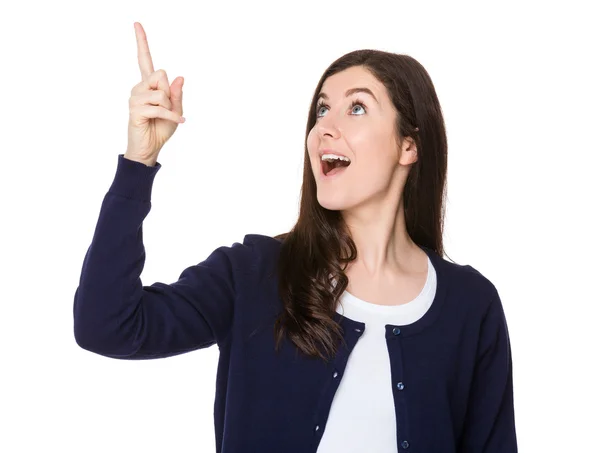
[335, 374]
[396, 331]
[404, 444]
[400, 386]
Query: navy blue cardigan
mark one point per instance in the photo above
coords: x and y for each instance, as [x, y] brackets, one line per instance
[454, 363]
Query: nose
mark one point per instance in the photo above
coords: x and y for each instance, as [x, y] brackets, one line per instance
[327, 127]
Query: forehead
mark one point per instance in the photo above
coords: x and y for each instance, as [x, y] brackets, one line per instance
[356, 76]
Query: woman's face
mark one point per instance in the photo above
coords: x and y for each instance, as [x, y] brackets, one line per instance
[363, 132]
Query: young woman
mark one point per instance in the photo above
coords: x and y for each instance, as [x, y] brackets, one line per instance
[348, 333]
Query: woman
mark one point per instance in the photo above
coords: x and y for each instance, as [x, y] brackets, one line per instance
[348, 333]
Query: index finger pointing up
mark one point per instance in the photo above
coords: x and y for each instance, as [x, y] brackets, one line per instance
[144, 57]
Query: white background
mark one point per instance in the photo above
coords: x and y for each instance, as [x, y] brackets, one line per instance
[518, 84]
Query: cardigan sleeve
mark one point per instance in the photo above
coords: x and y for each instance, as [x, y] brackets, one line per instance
[115, 315]
[490, 418]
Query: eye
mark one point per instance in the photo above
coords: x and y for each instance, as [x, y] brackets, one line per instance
[354, 104]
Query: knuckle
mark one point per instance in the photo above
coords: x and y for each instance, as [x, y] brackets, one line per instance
[139, 87]
[165, 99]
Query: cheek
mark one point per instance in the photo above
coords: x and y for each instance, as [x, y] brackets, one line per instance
[312, 145]
[375, 171]
[311, 140]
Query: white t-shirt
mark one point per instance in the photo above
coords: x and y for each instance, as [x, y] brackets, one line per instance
[367, 377]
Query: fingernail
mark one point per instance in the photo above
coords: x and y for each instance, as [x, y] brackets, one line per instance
[181, 119]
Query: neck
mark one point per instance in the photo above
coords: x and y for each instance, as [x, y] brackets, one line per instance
[383, 244]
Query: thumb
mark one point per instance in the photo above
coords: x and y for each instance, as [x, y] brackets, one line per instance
[176, 89]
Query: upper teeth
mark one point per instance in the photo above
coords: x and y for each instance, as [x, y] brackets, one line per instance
[334, 156]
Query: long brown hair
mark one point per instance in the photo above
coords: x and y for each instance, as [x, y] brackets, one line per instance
[320, 244]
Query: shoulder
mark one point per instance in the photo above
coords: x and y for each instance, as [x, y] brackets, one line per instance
[472, 287]
[254, 252]
[262, 245]
[261, 240]
[477, 281]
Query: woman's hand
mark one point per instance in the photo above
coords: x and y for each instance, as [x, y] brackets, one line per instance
[155, 108]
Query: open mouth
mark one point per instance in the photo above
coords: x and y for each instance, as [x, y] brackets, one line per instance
[333, 166]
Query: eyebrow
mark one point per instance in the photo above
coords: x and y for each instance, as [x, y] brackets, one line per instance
[351, 91]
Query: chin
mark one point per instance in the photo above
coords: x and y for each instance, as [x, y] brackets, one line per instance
[333, 202]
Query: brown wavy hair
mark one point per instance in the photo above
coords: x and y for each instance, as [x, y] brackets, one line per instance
[320, 243]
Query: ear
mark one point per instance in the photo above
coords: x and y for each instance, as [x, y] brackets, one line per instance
[408, 152]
